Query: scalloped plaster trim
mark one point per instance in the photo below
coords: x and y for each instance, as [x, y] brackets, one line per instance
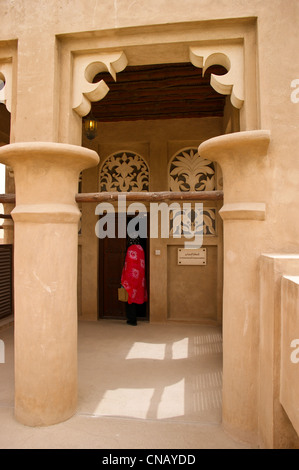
[85, 68]
[231, 57]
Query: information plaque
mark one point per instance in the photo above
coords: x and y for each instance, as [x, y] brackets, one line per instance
[190, 256]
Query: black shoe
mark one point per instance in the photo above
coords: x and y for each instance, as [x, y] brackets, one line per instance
[131, 323]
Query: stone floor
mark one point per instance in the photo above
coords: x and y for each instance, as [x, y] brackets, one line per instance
[145, 387]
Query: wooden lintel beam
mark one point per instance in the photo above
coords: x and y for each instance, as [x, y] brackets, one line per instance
[7, 199]
[143, 196]
[151, 196]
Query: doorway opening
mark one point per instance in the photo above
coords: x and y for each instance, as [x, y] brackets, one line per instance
[156, 133]
[112, 253]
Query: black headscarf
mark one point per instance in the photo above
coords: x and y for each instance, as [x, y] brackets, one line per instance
[134, 241]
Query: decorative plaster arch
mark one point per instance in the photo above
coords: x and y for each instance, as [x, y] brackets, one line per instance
[85, 68]
[229, 56]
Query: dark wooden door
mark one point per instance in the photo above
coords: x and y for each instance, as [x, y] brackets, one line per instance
[112, 252]
[112, 256]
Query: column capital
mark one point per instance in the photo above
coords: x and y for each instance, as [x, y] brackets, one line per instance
[62, 155]
[238, 144]
[242, 157]
[46, 172]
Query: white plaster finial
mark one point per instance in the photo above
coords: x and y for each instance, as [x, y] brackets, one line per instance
[85, 68]
[6, 77]
[230, 56]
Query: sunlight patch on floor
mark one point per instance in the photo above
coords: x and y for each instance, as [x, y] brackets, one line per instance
[141, 350]
[125, 402]
[172, 403]
[158, 376]
[143, 403]
[180, 349]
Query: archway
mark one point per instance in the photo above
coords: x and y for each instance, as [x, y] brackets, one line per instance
[248, 118]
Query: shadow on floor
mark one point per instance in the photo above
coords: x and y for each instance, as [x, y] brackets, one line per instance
[145, 387]
[151, 372]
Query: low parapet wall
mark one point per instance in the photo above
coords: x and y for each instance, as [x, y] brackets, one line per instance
[289, 353]
[278, 376]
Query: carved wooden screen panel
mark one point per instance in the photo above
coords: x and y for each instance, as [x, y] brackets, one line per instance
[188, 171]
[124, 171]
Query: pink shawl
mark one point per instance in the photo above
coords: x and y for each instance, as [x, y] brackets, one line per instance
[133, 275]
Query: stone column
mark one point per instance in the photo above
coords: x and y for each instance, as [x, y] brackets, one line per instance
[45, 277]
[243, 159]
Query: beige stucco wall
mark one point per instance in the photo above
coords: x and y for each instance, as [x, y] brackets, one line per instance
[36, 36]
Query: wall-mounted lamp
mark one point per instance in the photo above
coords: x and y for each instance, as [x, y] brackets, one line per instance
[91, 127]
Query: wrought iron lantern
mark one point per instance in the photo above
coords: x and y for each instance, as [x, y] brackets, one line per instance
[90, 126]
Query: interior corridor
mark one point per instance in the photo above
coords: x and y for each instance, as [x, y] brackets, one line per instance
[154, 386]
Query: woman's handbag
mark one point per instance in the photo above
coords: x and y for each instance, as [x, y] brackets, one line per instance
[122, 294]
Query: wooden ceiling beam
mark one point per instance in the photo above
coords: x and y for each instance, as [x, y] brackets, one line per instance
[155, 117]
[168, 94]
[159, 92]
[163, 72]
